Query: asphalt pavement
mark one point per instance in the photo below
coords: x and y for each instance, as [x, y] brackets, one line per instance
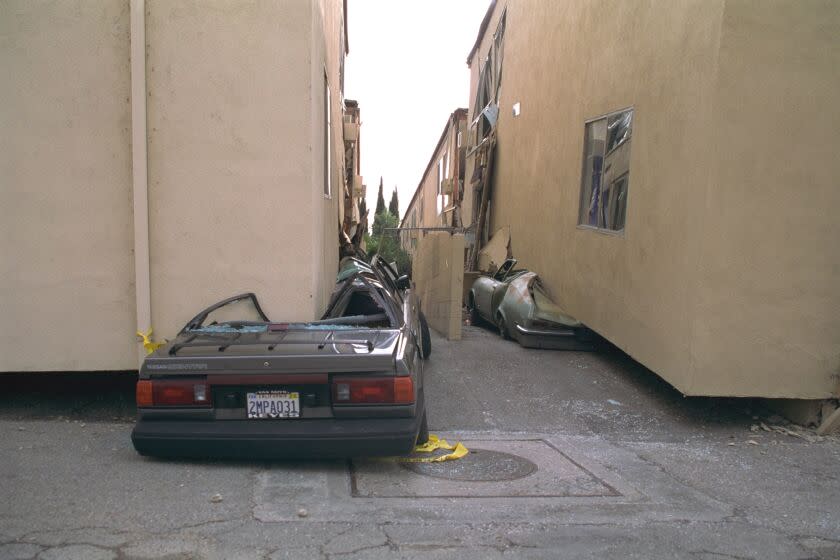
[573, 455]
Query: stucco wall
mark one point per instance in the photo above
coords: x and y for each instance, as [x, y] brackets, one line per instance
[230, 164]
[66, 268]
[768, 268]
[438, 278]
[660, 59]
[731, 103]
[235, 159]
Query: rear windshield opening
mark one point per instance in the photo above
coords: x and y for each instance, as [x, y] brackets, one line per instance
[362, 304]
[357, 306]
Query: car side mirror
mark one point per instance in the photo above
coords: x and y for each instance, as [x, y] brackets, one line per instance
[403, 282]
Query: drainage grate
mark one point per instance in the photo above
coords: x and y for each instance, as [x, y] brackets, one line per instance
[479, 465]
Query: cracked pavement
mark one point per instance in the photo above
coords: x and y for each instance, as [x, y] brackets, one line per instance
[627, 468]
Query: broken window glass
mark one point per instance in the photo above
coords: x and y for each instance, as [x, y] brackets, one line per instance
[618, 129]
[482, 94]
[606, 171]
[616, 205]
[593, 161]
[489, 85]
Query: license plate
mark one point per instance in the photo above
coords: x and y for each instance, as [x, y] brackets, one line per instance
[273, 404]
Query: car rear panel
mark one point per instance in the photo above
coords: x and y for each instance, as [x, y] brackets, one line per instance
[278, 439]
[305, 364]
[194, 435]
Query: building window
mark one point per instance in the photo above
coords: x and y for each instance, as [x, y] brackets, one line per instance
[440, 178]
[327, 140]
[606, 171]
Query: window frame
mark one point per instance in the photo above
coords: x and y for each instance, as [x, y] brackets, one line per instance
[439, 205]
[584, 226]
[328, 164]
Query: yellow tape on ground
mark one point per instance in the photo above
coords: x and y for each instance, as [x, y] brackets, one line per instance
[147, 342]
[458, 451]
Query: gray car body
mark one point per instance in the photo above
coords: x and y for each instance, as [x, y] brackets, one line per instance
[507, 299]
[263, 355]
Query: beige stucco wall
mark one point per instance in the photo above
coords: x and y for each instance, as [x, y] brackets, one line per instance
[725, 264]
[236, 90]
[235, 169]
[66, 267]
[438, 281]
[768, 267]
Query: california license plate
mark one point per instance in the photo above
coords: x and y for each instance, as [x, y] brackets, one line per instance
[273, 404]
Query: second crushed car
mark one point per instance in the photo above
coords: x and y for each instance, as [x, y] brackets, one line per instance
[518, 304]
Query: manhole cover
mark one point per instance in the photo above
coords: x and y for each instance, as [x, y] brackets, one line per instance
[478, 465]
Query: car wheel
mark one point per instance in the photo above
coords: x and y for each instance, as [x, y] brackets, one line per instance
[503, 330]
[425, 337]
[474, 316]
[423, 434]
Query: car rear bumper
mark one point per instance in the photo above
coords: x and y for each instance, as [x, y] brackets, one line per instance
[276, 439]
[565, 339]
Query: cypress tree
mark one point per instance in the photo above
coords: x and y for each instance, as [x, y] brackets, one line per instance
[394, 205]
[380, 200]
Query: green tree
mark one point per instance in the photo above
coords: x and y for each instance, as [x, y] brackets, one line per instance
[383, 220]
[380, 200]
[387, 243]
[394, 205]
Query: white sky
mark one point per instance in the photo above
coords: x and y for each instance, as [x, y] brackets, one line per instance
[407, 69]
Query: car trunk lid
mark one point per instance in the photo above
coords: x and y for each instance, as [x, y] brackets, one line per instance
[322, 350]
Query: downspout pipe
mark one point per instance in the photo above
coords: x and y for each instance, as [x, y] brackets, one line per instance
[139, 166]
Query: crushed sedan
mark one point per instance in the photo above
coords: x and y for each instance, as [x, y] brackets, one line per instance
[516, 302]
[235, 384]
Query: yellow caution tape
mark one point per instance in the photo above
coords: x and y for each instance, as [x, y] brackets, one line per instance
[147, 342]
[458, 451]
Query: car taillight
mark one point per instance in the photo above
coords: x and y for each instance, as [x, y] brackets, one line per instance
[166, 392]
[144, 393]
[373, 390]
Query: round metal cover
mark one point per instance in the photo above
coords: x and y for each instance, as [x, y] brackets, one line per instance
[478, 465]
